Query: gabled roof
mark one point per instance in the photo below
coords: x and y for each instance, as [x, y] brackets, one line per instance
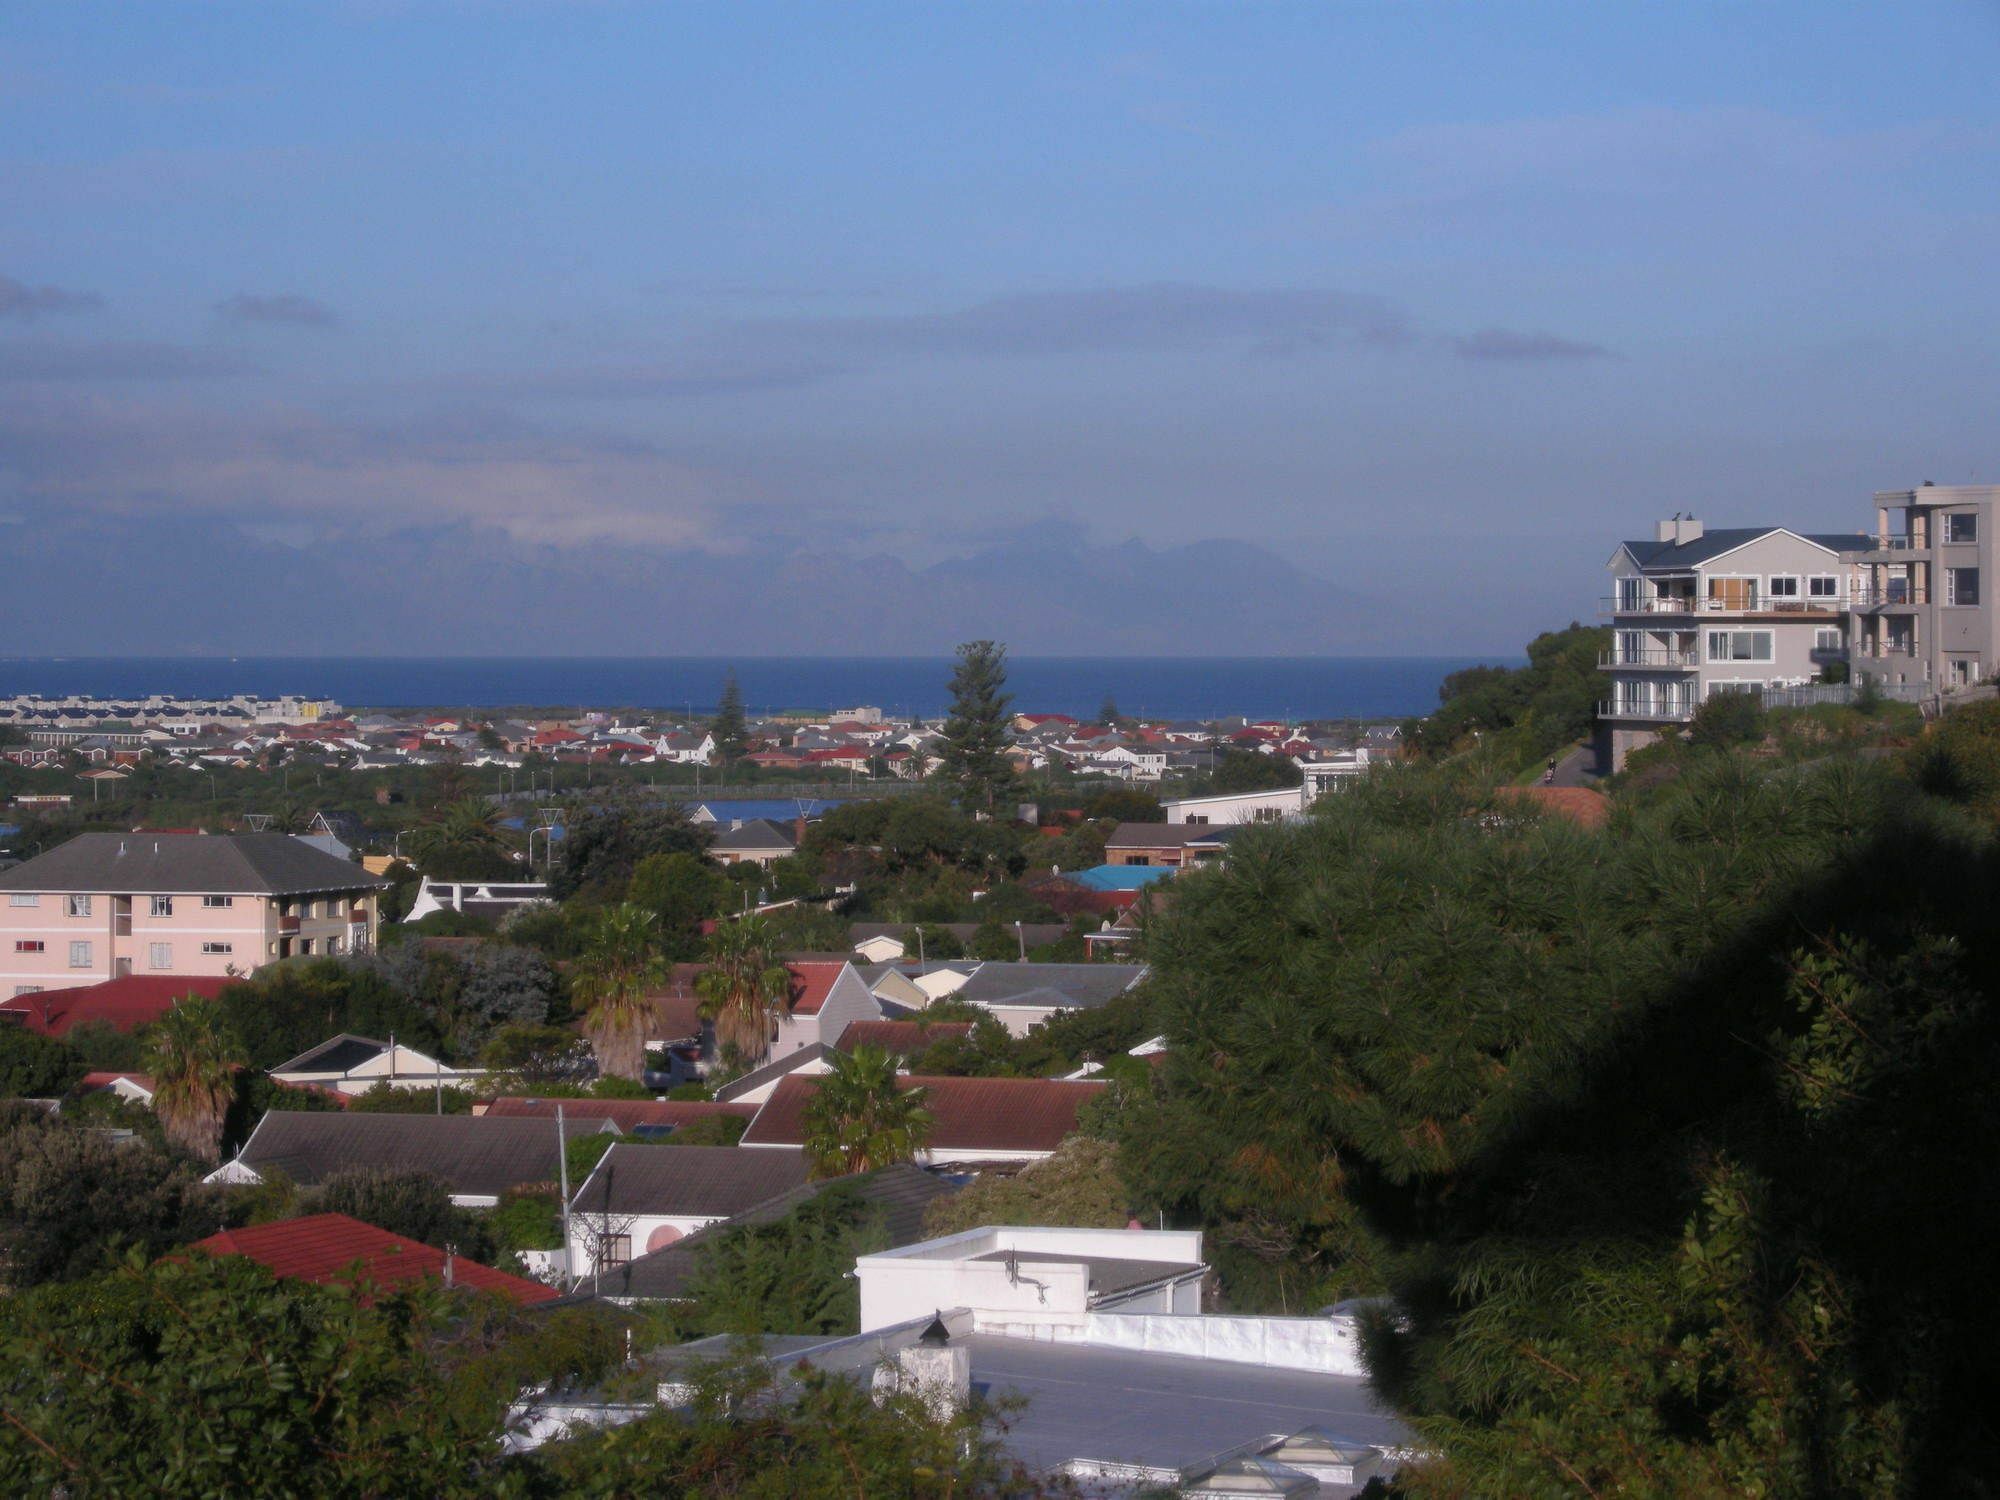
[124, 1004]
[967, 1114]
[897, 1197]
[627, 1114]
[900, 1038]
[757, 1077]
[254, 864]
[476, 1155]
[1079, 986]
[757, 834]
[1713, 544]
[338, 1054]
[331, 1248]
[1160, 835]
[694, 1182]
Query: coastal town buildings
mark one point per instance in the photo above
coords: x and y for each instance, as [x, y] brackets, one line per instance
[1923, 614]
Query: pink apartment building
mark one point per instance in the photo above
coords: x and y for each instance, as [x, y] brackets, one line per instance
[109, 904]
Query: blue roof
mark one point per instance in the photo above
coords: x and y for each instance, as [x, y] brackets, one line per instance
[777, 809]
[1119, 877]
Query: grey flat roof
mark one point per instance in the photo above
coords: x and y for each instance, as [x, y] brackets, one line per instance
[1166, 1410]
[258, 864]
[687, 1181]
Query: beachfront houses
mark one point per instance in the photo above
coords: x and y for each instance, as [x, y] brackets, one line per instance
[105, 905]
[1922, 617]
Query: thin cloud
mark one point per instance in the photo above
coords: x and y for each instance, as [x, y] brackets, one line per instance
[117, 361]
[637, 381]
[19, 300]
[1510, 344]
[284, 307]
[1162, 317]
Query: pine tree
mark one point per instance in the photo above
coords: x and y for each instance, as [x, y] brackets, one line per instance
[975, 733]
[728, 724]
[1108, 713]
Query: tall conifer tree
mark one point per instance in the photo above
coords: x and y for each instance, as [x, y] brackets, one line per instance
[975, 733]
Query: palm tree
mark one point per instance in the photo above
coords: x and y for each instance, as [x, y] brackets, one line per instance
[463, 838]
[744, 990]
[194, 1075]
[614, 979]
[858, 1119]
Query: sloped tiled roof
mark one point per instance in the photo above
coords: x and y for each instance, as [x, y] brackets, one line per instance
[627, 1114]
[902, 1038]
[756, 1078]
[898, 1195]
[1077, 985]
[327, 1248]
[695, 1182]
[476, 1155]
[257, 864]
[967, 1114]
[337, 1054]
[124, 1004]
[1712, 544]
[756, 834]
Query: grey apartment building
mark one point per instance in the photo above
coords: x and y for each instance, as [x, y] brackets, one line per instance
[1695, 612]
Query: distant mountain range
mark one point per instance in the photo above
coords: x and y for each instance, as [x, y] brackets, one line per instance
[210, 588]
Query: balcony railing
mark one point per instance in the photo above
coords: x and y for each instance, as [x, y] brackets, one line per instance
[288, 925]
[1898, 541]
[1673, 711]
[1654, 657]
[1751, 603]
[1891, 597]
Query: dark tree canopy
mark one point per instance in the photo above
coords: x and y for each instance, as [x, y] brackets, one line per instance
[602, 847]
[729, 726]
[975, 731]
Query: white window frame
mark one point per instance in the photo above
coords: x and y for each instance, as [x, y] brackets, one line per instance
[1711, 601]
[77, 906]
[27, 989]
[1820, 641]
[1814, 580]
[217, 903]
[19, 898]
[80, 954]
[1951, 598]
[217, 950]
[1793, 586]
[162, 906]
[1728, 655]
[160, 956]
[1969, 516]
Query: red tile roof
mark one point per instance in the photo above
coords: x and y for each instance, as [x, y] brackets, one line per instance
[96, 1080]
[967, 1114]
[1580, 804]
[677, 1006]
[627, 1114]
[811, 983]
[124, 1004]
[332, 1248]
[904, 1038]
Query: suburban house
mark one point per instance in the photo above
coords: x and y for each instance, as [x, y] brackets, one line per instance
[105, 905]
[491, 899]
[895, 1199]
[973, 1120]
[642, 1118]
[642, 1198]
[335, 1250]
[827, 995]
[1276, 806]
[762, 1081]
[1171, 845]
[1919, 616]
[122, 1004]
[1696, 612]
[477, 1156]
[757, 841]
[349, 1064]
[913, 986]
[885, 942]
[1023, 996]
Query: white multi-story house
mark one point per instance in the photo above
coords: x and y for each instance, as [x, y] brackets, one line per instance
[1696, 612]
[1923, 617]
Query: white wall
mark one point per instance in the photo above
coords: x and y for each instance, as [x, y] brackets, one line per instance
[1242, 807]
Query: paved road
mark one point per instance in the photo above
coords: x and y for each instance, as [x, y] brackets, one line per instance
[1578, 768]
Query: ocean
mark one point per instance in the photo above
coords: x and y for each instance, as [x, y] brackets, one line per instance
[1306, 687]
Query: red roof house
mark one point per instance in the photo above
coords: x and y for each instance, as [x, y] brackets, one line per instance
[124, 1004]
[972, 1119]
[332, 1249]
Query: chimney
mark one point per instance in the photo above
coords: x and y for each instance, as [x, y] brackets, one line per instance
[933, 1369]
[1687, 529]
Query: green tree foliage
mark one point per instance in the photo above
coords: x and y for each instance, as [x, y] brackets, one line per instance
[463, 840]
[103, 1046]
[288, 1007]
[72, 1202]
[825, 1437]
[602, 846]
[1247, 771]
[416, 1205]
[531, 1057]
[1521, 714]
[385, 1098]
[744, 991]
[975, 732]
[1077, 1185]
[192, 1058]
[709, 1130]
[614, 982]
[466, 993]
[1959, 760]
[682, 891]
[993, 939]
[728, 726]
[1634, 1124]
[33, 1066]
[209, 1376]
[1125, 804]
[858, 1120]
[528, 1219]
[1726, 720]
[987, 1051]
[793, 1275]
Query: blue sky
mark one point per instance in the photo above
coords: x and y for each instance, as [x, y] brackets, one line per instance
[1432, 301]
